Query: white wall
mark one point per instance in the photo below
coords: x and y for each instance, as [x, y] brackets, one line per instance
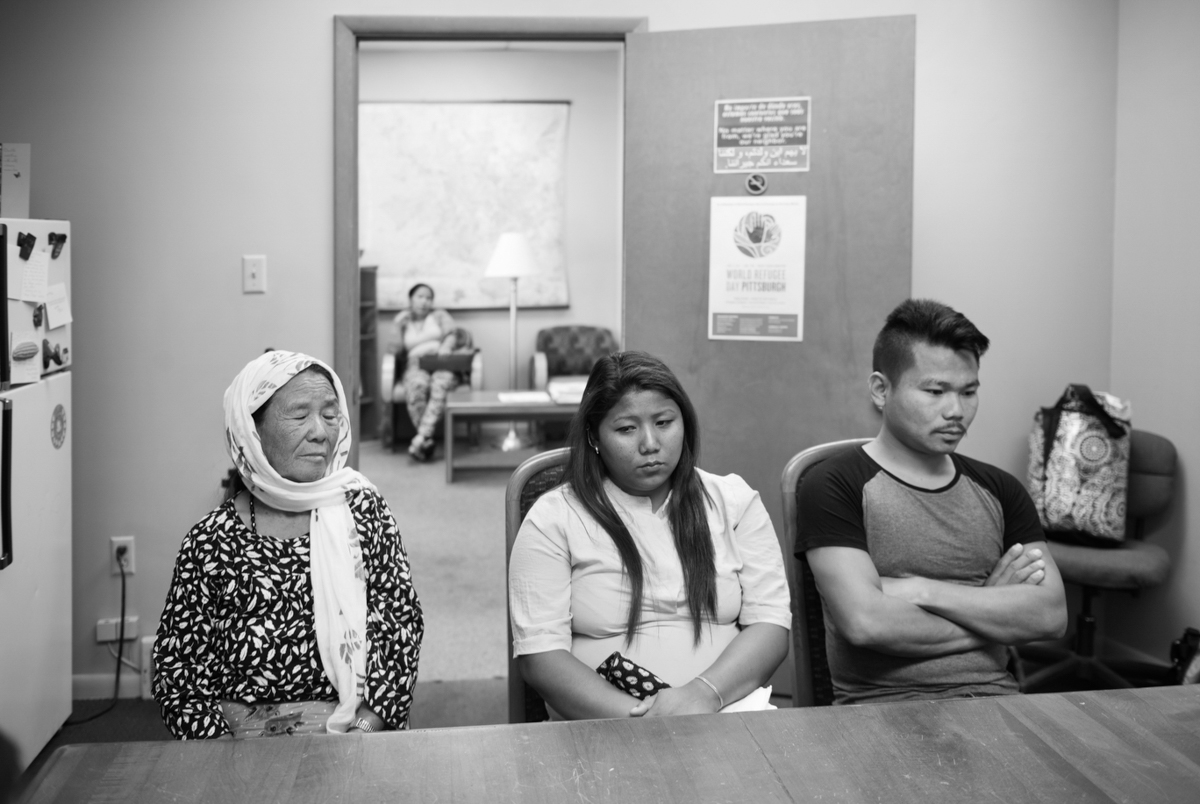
[1156, 281]
[591, 81]
[178, 136]
[1013, 198]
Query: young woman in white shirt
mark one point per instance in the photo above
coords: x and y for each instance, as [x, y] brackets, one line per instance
[636, 520]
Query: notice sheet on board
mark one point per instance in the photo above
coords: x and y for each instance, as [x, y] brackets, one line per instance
[756, 268]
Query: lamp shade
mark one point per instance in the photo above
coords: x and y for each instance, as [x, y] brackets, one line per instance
[512, 257]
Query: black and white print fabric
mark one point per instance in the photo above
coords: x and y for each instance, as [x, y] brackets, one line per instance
[238, 622]
[630, 677]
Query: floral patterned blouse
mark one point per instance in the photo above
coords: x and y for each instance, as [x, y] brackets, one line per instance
[238, 622]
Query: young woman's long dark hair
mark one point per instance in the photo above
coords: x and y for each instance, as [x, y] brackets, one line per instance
[611, 379]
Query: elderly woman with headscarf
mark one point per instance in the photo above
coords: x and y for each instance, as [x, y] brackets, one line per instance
[291, 610]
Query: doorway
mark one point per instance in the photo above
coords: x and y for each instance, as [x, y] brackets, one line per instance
[459, 139]
[353, 33]
[455, 533]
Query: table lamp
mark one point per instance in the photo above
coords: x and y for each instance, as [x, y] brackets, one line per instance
[512, 259]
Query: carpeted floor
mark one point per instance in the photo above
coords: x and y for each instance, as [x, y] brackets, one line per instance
[454, 534]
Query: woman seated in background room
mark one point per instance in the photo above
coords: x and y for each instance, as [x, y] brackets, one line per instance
[291, 609]
[636, 520]
[424, 331]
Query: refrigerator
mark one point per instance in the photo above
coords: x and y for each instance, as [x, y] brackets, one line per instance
[35, 482]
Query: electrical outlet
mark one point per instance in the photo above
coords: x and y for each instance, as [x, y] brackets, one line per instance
[106, 629]
[254, 273]
[127, 543]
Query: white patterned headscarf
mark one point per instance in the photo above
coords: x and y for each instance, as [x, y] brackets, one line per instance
[338, 574]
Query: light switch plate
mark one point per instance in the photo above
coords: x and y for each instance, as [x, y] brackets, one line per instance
[254, 273]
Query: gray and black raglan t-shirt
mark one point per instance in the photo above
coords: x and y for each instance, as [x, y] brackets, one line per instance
[956, 533]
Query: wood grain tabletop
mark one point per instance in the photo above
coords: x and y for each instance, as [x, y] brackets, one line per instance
[1120, 746]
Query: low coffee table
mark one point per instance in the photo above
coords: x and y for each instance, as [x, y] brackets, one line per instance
[485, 406]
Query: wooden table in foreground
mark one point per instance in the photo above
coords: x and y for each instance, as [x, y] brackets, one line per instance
[1129, 745]
[485, 406]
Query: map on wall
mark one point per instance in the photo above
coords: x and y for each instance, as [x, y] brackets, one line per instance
[440, 182]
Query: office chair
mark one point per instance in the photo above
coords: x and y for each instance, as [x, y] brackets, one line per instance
[531, 480]
[1129, 567]
[812, 685]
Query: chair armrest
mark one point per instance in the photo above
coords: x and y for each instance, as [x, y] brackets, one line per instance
[539, 371]
[477, 372]
[387, 377]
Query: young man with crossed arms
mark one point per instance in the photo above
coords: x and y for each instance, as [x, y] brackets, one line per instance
[928, 563]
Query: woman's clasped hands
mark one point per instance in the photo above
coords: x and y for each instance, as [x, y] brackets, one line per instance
[693, 698]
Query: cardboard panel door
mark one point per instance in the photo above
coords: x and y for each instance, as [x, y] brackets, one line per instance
[759, 403]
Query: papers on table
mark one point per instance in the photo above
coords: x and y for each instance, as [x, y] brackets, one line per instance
[524, 397]
[562, 394]
[567, 392]
[756, 701]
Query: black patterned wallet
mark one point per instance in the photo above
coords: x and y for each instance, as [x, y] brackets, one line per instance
[630, 677]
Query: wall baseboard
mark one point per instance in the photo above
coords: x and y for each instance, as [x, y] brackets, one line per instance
[92, 686]
[134, 683]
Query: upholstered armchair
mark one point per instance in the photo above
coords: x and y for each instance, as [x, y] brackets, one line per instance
[466, 361]
[565, 356]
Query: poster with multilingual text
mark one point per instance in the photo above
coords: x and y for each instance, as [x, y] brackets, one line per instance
[761, 135]
[756, 268]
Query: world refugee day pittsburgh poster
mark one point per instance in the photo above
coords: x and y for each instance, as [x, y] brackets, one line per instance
[756, 268]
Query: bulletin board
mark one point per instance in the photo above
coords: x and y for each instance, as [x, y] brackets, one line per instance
[759, 403]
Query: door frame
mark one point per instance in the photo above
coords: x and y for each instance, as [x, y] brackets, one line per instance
[348, 31]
